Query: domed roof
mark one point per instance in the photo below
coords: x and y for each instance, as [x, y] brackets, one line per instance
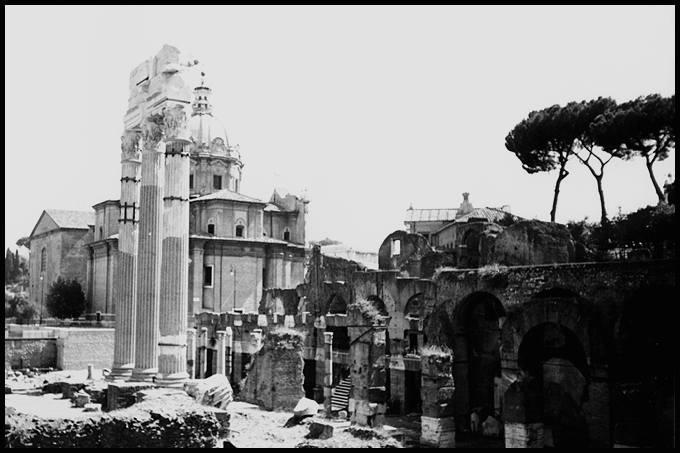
[205, 128]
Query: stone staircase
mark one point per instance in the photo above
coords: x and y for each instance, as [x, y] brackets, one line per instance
[340, 395]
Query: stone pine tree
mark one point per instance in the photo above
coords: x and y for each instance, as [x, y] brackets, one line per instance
[583, 114]
[65, 299]
[643, 127]
[543, 142]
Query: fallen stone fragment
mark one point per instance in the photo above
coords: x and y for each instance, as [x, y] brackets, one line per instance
[319, 431]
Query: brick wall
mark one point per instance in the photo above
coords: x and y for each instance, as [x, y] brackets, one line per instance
[79, 347]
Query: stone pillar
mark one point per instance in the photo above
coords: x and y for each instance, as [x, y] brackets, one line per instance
[367, 404]
[229, 347]
[196, 269]
[191, 353]
[523, 415]
[437, 422]
[328, 373]
[149, 257]
[172, 360]
[203, 341]
[221, 365]
[126, 306]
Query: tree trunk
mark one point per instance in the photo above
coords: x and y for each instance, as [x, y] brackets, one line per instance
[657, 189]
[600, 191]
[563, 174]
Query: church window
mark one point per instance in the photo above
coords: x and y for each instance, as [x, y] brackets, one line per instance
[239, 231]
[396, 247]
[208, 276]
[211, 228]
[43, 259]
[191, 181]
[286, 235]
[217, 182]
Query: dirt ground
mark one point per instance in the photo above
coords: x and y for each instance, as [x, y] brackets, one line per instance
[249, 427]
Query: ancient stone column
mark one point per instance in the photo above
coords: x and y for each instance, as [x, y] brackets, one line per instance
[367, 404]
[191, 353]
[436, 390]
[174, 299]
[126, 306]
[149, 257]
[229, 347]
[221, 365]
[203, 341]
[328, 373]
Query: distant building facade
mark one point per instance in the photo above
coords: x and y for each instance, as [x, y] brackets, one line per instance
[57, 246]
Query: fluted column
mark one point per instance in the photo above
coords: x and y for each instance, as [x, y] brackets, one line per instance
[149, 257]
[174, 307]
[126, 305]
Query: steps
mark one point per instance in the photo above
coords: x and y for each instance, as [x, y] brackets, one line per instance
[340, 395]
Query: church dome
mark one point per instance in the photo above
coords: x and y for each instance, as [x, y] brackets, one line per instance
[207, 132]
[205, 128]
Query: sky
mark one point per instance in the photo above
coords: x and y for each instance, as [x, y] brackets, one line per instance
[367, 110]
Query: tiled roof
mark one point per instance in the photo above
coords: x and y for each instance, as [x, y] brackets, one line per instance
[71, 219]
[488, 214]
[226, 194]
[430, 215]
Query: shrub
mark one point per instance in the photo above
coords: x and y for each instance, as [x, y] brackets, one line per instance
[65, 299]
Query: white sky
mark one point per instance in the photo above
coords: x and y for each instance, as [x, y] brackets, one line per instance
[368, 108]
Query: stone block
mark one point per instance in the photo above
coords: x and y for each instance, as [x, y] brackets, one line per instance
[319, 431]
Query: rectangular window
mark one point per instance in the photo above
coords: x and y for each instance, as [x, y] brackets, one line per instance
[191, 181]
[396, 247]
[211, 228]
[208, 276]
[217, 182]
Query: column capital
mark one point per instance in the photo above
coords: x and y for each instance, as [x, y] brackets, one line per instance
[221, 334]
[175, 124]
[191, 333]
[130, 145]
[152, 131]
[328, 337]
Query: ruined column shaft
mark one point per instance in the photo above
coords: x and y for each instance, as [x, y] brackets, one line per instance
[149, 261]
[328, 374]
[126, 305]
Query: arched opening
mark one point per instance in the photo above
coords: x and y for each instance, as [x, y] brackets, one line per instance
[337, 305]
[414, 306]
[378, 303]
[552, 355]
[470, 250]
[644, 400]
[481, 315]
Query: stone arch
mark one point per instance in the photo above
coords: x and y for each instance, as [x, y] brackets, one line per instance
[379, 304]
[568, 312]
[414, 306]
[337, 304]
[552, 356]
[477, 323]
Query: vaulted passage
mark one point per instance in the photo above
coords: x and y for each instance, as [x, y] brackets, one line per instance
[552, 355]
[482, 314]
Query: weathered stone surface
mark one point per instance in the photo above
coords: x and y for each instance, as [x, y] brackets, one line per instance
[306, 407]
[320, 431]
[491, 427]
[213, 391]
[528, 242]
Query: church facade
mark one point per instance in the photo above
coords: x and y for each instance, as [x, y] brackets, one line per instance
[238, 245]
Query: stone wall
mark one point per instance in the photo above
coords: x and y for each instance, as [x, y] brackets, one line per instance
[78, 348]
[176, 423]
[30, 353]
[275, 380]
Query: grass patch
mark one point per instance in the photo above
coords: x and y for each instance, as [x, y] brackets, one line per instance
[285, 338]
[491, 269]
[434, 350]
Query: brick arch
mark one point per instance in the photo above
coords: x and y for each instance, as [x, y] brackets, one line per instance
[337, 304]
[415, 304]
[569, 313]
[461, 312]
[378, 303]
